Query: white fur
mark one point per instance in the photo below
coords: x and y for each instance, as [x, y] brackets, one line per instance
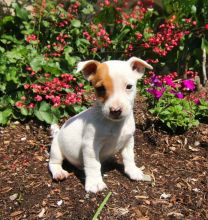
[92, 136]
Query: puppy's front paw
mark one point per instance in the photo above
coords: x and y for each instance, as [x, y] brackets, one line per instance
[94, 185]
[135, 173]
[60, 175]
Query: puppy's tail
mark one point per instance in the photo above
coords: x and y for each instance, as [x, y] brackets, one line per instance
[54, 130]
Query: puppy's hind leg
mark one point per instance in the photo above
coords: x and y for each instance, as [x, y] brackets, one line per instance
[55, 162]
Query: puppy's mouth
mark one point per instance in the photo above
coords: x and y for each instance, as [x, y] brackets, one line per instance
[115, 117]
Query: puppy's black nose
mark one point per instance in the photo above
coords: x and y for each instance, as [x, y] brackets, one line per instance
[115, 112]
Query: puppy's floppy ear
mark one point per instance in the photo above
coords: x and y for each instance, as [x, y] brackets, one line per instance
[88, 68]
[139, 66]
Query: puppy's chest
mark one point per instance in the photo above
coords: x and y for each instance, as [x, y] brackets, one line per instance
[116, 138]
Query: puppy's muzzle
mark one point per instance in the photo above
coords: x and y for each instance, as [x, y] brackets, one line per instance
[115, 113]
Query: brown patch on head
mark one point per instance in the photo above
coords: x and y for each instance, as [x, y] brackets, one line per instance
[102, 82]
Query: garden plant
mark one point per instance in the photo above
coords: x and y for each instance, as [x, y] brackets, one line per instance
[40, 47]
[41, 42]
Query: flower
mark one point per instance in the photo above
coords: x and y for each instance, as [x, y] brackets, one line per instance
[156, 93]
[19, 104]
[206, 26]
[156, 81]
[31, 106]
[31, 37]
[38, 98]
[168, 81]
[179, 95]
[188, 84]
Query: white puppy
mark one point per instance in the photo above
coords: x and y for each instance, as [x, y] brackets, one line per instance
[98, 133]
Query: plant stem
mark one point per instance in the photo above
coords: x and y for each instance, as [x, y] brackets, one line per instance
[100, 208]
[204, 57]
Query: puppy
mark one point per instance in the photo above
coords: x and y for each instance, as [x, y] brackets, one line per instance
[98, 133]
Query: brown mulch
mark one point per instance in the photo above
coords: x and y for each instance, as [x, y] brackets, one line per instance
[177, 163]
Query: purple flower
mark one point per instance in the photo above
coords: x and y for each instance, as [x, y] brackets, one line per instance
[156, 93]
[189, 84]
[156, 81]
[179, 95]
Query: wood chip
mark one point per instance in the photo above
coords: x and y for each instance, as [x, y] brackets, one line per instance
[16, 213]
[141, 197]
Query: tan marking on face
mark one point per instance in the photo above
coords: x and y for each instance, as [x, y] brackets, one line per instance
[102, 79]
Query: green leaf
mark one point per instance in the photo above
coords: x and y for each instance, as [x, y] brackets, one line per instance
[70, 59]
[4, 116]
[68, 50]
[52, 67]
[43, 113]
[37, 63]
[75, 23]
[193, 9]
[21, 12]
[12, 75]
[2, 50]
[5, 20]
[24, 111]
[79, 108]
[10, 38]
[14, 55]
[88, 10]
[120, 36]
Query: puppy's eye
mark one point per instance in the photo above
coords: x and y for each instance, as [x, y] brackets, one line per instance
[100, 90]
[129, 86]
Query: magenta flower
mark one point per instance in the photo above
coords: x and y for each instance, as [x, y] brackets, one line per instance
[168, 81]
[156, 93]
[179, 95]
[189, 84]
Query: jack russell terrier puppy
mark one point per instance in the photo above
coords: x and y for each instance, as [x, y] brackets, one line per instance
[98, 133]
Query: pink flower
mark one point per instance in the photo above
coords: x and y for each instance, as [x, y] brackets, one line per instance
[26, 86]
[194, 23]
[138, 36]
[19, 104]
[38, 98]
[31, 105]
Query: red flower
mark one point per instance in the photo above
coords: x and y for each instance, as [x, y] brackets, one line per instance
[31, 37]
[19, 104]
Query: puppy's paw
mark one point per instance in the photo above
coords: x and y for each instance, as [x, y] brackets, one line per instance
[135, 173]
[60, 175]
[94, 185]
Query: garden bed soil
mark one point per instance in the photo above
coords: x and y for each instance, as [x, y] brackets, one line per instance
[178, 165]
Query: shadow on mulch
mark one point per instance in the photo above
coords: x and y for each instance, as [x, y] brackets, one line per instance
[107, 166]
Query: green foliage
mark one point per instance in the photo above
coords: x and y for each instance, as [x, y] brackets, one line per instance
[177, 114]
[37, 50]
[202, 110]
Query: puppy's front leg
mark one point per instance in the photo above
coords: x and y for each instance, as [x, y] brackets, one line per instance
[130, 167]
[92, 168]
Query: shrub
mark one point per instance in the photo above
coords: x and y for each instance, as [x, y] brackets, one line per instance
[39, 50]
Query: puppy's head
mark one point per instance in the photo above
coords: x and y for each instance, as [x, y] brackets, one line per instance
[115, 84]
